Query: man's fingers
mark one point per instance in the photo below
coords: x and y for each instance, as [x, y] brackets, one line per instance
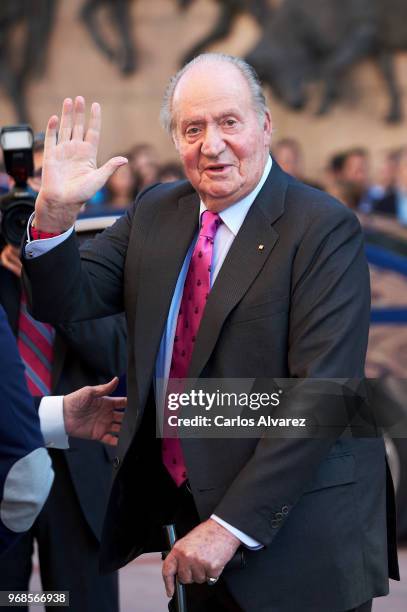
[198, 574]
[184, 575]
[106, 171]
[10, 260]
[65, 129]
[95, 122]
[50, 140]
[110, 439]
[118, 415]
[79, 120]
[119, 403]
[106, 389]
[169, 572]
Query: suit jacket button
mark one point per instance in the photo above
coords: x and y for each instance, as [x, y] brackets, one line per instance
[116, 462]
[278, 516]
[285, 509]
[275, 523]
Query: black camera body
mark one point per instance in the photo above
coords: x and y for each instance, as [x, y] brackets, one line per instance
[17, 206]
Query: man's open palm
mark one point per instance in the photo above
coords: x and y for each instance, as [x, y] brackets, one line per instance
[70, 175]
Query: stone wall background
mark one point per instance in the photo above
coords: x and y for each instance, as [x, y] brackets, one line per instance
[162, 34]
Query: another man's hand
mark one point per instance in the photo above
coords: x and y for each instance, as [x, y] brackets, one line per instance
[10, 259]
[89, 414]
[70, 175]
[201, 554]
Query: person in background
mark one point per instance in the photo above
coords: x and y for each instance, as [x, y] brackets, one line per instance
[289, 155]
[58, 360]
[355, 178]
[332, 176]
[120, 189]
[143, 160]
[172, 171]
[395, 202]
[26, 472]
[385, 176]
[347, 178]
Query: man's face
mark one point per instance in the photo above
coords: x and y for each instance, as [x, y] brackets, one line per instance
[222, 143]
[356, 170]
[289, 160]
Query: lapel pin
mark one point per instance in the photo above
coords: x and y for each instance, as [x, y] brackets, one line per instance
[261, 247]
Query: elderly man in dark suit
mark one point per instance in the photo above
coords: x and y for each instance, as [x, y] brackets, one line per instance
[238, 272]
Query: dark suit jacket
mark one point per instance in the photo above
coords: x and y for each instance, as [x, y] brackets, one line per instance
[298, 307]
[84, 353]
[22, 445]
[387, 205]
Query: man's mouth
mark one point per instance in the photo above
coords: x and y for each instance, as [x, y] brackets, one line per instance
[216, 168]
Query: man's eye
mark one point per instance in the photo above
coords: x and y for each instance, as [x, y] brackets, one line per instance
[230, 122]
[192, 131]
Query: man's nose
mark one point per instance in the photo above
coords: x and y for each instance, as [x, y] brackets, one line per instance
[213, 143]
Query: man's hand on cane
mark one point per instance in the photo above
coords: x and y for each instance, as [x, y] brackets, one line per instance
[70, 175]
[199, 556]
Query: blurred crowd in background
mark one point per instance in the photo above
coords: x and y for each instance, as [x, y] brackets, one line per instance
[348, 175]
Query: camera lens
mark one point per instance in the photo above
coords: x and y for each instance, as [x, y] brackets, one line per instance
[14, 219]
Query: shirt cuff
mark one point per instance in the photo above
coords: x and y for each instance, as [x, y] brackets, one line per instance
[245, 539]
[51, 413]
[35, 248]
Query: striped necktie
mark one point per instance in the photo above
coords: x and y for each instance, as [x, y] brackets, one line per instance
[35, 343]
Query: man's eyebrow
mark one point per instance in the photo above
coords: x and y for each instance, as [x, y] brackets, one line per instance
[228, 112]
[221, 115]
[196, 119]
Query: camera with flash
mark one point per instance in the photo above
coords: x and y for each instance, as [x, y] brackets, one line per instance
[17, 205]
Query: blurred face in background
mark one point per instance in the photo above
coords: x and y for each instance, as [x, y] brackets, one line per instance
[402, 171]
[386, 172]
[356, 170]
[143, 162]
[121, 186]
[289, 157]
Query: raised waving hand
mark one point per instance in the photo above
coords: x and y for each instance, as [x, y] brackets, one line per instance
[70, 175]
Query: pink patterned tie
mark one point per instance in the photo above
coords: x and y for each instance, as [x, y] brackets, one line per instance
[196, 289]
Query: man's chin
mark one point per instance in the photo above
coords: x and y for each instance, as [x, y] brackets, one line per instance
[216, 202]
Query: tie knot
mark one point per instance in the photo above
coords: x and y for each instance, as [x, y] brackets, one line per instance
[210, 222]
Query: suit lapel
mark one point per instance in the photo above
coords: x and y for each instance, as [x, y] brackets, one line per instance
[167, 243]
[169, 238]
[244, 261]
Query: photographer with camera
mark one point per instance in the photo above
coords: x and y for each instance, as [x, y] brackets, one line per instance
[57, 361]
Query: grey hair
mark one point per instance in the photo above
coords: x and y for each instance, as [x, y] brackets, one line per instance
[247, 71]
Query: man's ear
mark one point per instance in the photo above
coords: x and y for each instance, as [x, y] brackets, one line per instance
[268, 128]
[175, 140]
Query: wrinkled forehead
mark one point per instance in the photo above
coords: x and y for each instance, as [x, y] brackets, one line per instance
[209, 84]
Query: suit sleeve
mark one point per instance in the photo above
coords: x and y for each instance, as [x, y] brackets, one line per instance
[65, 285]
[26, 474]
[329, 319]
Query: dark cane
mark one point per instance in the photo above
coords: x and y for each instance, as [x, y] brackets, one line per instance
[179, 595]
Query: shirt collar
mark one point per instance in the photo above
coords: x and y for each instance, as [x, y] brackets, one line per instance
[234, 215]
